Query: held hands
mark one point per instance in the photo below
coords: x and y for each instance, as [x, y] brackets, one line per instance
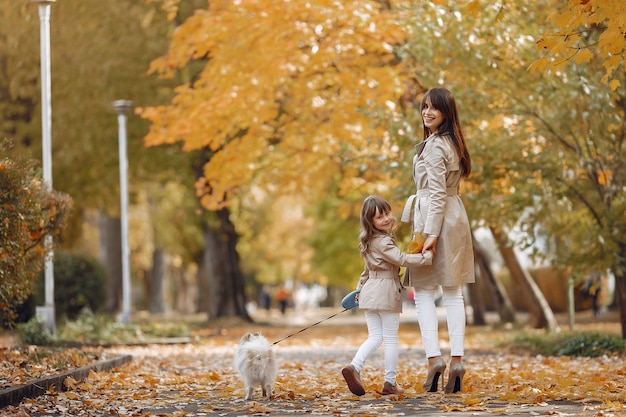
[417, 243]
[431, 242]
[421, 244]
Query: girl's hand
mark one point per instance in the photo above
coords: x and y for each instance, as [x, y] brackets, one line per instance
[431, 242]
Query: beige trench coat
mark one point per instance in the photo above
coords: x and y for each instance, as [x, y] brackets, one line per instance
[380, 280]
[438, 210]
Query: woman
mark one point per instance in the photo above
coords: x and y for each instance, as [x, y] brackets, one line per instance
[441, 162]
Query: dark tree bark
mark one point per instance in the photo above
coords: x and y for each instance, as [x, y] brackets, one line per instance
[211, 263]
[503, 303]
[156, 300]
[182, 292]
[541, 314]
[478, 305]
[110, 254]
[232, 285]
[221, 282]
[202, 277]
[620, 292]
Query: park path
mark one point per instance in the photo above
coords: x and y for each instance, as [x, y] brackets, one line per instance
[197, 379]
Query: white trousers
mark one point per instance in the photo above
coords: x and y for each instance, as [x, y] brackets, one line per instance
[429, 325]
[382, 327]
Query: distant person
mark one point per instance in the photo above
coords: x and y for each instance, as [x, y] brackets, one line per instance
[283, 299]
[591, 289]
[381, 293]
[266, 299]
[442, 160]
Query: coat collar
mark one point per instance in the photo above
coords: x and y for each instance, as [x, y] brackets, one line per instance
[420, 146]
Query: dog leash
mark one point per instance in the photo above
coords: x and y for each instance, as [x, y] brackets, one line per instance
[349, 302]
[308, 327]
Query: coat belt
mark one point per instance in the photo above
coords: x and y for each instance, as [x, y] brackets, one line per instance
[384, 274]
[408, 206]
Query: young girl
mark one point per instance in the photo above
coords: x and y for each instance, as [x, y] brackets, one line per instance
[441, 162]
[381, 293]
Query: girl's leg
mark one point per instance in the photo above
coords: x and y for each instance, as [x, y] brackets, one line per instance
[455, 311]
[427, 318]
[390, 323]
[374, 339]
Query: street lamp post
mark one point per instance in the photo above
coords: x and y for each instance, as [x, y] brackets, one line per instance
[122, 107]
[46, 311]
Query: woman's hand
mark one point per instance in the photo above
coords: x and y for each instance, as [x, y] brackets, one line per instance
[431, 242]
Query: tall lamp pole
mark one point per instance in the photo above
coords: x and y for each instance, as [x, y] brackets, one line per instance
[47, 311]
[122, 107]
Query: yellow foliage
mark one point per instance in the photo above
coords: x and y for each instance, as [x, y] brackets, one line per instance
[581, 17]
[473, 8]
[286, 89]
[583, 55]
[70, 383]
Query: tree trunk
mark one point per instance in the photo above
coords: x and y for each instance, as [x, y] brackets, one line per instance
[504, 306]
[620, 289]
[233, 296]
[541, 314]
[202, 278]
[221, 283]
[156, 299]
[211, 265]
[110, 254]
[183, 300]
[478, 305]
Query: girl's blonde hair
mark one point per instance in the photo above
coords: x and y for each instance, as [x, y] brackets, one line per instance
[371, 205]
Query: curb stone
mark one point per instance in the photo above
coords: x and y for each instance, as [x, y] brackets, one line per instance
[14, 395]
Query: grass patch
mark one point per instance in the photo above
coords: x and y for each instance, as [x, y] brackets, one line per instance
[586, 344]
[89, 328]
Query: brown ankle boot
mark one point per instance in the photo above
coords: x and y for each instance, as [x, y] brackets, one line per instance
[353, 379]
[389, 389]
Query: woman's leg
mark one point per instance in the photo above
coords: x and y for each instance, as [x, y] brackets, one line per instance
[455, 312]
[427, 319]
[374, 339]
[390, 323]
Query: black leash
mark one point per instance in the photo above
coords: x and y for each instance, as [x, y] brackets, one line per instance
[306, 328]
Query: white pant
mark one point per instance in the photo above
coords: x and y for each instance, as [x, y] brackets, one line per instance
[429, 325]
[382, 326]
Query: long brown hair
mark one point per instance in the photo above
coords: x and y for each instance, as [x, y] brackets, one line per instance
[443, 100]
[370, 206]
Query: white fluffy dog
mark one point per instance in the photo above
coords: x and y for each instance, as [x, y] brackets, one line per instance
[256, 364]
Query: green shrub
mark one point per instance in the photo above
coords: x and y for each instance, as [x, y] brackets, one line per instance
[78, 283]
[29, 212]
[588, 344]
[34, 332]
[99, 328]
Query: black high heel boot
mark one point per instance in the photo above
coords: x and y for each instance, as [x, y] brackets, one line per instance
[434, 372]
[455, 378]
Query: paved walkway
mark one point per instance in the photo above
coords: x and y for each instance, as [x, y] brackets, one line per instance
[197, 380]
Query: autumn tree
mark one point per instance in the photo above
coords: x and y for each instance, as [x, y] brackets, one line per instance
[582, 30]
[89, 71]
[298, 101]
[29, 211]
[293, 113]
[327, 86]
[557, 176]
[587, 40]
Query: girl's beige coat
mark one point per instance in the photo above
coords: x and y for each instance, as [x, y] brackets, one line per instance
[380, 280]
